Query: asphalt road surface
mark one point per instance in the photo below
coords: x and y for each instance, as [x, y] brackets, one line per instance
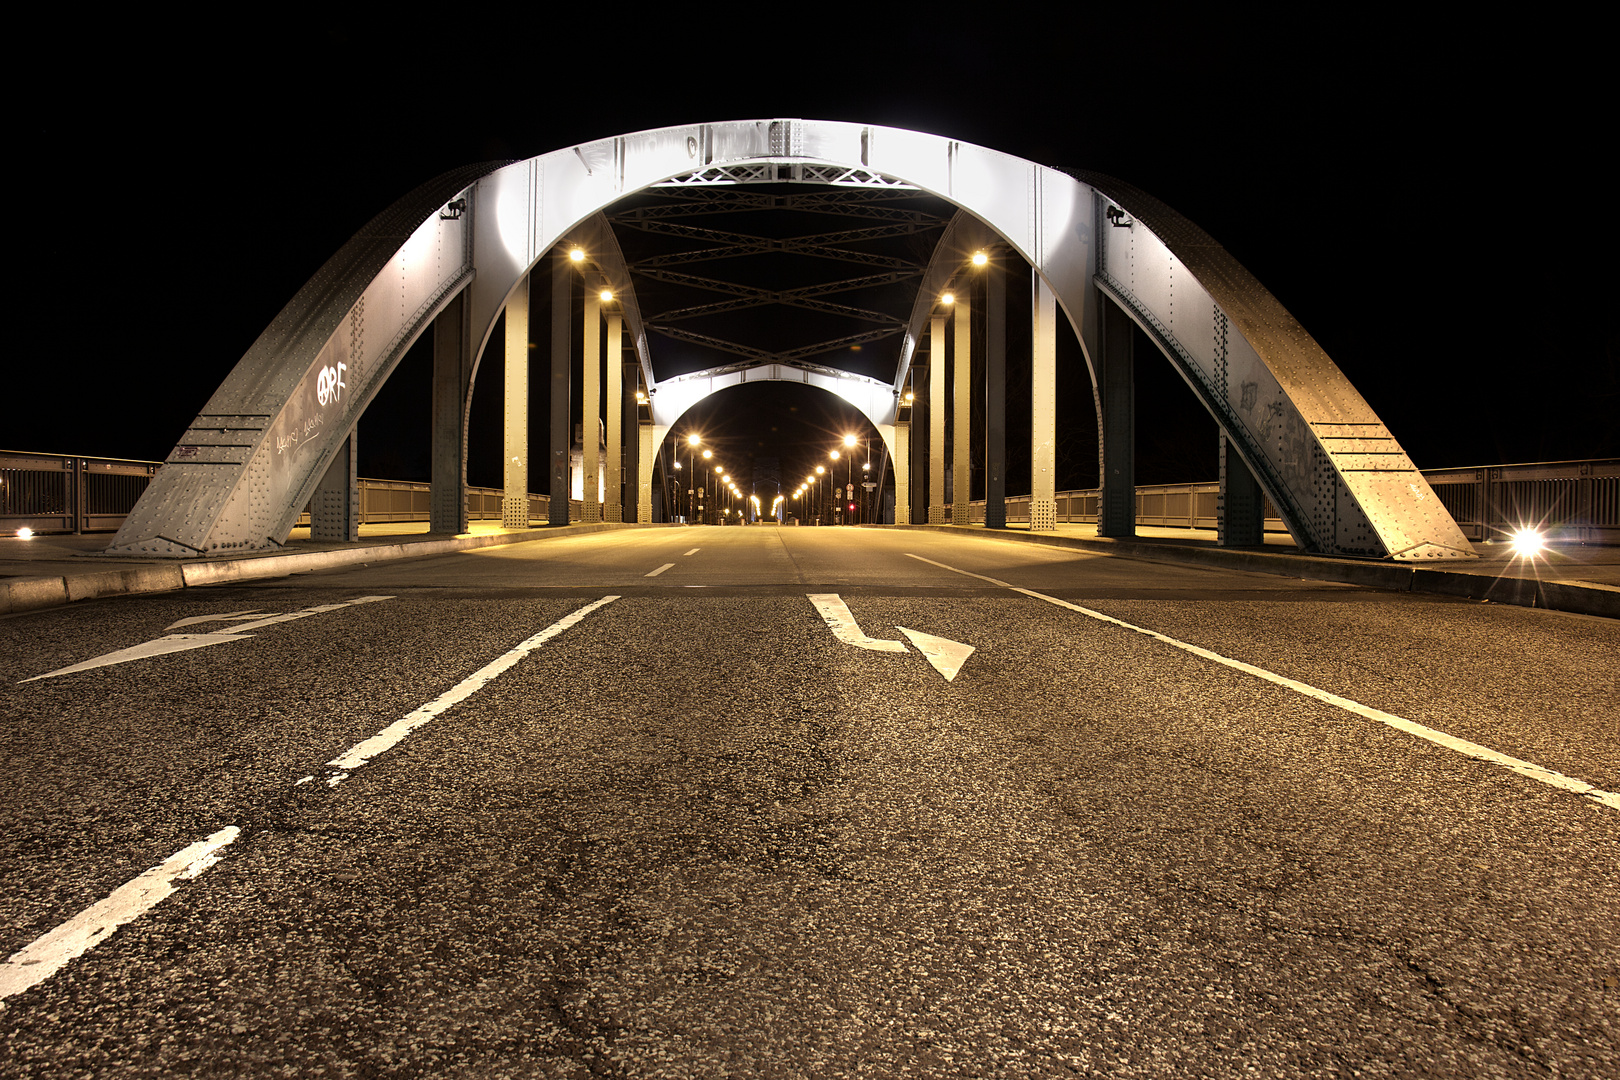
[629, 805]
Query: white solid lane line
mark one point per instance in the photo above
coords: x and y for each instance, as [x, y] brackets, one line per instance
[694, 551]
[660, 570]
[51, 951]
[360, 753]
[1400, 723]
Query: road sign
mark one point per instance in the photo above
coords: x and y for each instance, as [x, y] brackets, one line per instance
[869, 485]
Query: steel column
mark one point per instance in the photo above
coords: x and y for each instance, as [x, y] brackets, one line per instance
[1043, 411]
[448, 498]
[612, 496]
[1116, 504]
[1241, 507]
[902, 470]
[562, 311]
[334, 511]
[590, 427]
[995, 396]
[936, 420]
[630, 426]
[515, 502]
[919, 444]
[962, 412]
[644, 474]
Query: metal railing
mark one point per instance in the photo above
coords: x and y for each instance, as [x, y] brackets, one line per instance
[1575, 500]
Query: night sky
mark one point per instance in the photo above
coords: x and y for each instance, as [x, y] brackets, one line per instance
[1425, 196]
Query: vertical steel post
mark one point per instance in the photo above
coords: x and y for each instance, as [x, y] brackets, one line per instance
[1116, 505]
[334, 509]
[1043, 411]
[613, 497]
[562, 311]
[936, 420]
[644, 473]
[962, 418]
[630, 425]
[1240, 507]
[515, 500]
[919, 445]
[995, 396]
[590, 428]
[447, 497]
[902, 469]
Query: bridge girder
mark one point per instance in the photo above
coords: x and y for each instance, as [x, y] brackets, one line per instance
[242, 472]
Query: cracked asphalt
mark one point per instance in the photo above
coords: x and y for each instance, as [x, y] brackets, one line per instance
[695, 835]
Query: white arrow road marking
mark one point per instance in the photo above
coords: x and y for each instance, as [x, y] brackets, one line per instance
[360, 753]
[195, 619]
[844, 627]
[51, 951]
[174, 643]
[946, 655]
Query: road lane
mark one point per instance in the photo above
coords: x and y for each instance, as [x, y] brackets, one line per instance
[697, 832]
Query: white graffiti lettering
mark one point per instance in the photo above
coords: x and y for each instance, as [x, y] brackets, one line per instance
[329, 384]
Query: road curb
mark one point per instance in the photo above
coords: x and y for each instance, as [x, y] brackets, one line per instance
[35, 593]
[1578, 597]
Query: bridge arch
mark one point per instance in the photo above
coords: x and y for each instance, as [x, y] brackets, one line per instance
[450, 255]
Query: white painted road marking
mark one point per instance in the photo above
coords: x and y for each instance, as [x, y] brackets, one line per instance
[195, 619]
[694, 551]
[51, 951]
[389, 736]
[945, 655]
[660, 570]
[174, 643]
[836, 614]
[1400, 723]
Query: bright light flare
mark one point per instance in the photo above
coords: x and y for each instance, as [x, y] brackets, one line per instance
[25, 533]
[577, 255]
[1528, 542]
[980, 258]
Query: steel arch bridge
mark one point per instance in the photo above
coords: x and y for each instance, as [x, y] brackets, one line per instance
[455, 254]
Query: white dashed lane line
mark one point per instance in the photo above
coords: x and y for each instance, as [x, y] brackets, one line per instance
[660, 570]
[694, 551]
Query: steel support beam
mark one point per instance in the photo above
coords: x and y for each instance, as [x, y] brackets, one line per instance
[334, 510]
[447, 498]
[1043, 411]
[1116, 423]
[962, 412]
[630, 426]
[590, 428]
[936, 420]
[612, 496]
[920, 424]
[515, 501]
[644, 474]
[902, 474]
[995, 396]
[562, 312]
[1240, 509]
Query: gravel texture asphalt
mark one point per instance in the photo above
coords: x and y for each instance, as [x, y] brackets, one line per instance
[695, 835]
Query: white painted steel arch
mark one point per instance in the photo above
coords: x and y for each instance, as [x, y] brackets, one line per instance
[242, 473]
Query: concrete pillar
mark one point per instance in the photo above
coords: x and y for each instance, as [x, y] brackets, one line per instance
[995, 396]
[962, 418]
[1241, 507]
[562, 311]
[515, 501]
[644, 474]
[936, 420]
[612, 497]
[1043, 411]
[334, 509]
[590, 429]
[1116, 505]
[919, 445]
[447, 497]
[902, 470]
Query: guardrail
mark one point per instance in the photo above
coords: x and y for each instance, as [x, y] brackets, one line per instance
[1575, 500]
[60, 493]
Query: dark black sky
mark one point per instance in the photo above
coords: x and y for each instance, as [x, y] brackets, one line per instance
[1426, 196]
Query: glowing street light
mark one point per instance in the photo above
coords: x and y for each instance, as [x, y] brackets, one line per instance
[576, 254]
[1528, 542]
